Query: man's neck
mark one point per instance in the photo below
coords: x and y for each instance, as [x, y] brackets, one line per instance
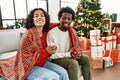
[62, 29]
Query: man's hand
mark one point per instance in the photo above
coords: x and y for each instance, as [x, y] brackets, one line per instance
[76, 52]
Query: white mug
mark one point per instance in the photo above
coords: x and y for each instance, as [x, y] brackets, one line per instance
[107, 62]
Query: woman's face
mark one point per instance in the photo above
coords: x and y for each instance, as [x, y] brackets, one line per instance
[39, 18]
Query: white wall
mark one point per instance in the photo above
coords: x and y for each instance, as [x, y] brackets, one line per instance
[110, 7]
[53, 7]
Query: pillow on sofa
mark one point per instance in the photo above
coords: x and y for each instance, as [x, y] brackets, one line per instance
[9, 40]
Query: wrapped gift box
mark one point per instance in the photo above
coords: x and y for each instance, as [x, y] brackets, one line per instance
[118, 38]
[94, 34]
[96, 42]
[85, 43]
[95, 37]
[97, 63]
[114, 41]
[96, 51]
[113, 53]
[118, 46]
[106, 42]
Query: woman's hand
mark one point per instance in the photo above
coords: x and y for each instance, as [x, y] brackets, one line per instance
[52, 48]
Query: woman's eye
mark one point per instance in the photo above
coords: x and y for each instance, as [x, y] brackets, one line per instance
[42, 15]
[36, 16]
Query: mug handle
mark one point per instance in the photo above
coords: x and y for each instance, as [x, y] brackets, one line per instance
[111, 62]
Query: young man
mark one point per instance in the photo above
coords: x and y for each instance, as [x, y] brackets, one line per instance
[66, 39]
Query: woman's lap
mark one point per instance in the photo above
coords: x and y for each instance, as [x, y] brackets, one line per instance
[54, 67]
[49, 71]
[40, 73]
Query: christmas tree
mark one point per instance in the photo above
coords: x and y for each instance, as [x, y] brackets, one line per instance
[88, 17]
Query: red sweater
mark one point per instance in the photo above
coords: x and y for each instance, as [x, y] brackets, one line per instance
[43, 53]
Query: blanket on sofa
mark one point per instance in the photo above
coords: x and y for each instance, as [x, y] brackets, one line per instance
[18, 67]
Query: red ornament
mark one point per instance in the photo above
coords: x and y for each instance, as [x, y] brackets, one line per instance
[75, 50]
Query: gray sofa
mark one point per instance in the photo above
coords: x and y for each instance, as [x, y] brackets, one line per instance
[9, 41]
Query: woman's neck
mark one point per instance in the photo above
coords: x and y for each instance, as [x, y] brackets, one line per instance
[40, 30]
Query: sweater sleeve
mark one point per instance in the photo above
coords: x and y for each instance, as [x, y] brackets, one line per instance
[42, 57]
[50, 40]
[60, 55]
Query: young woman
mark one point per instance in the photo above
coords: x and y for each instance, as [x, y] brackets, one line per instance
[31, 60]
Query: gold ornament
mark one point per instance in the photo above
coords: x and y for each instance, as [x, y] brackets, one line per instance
[79, 21]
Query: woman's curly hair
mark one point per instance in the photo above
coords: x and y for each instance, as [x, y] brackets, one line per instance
[29, 23]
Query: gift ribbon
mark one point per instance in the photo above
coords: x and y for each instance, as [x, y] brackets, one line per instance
[113, 41]
[105, 41]
[96, 38]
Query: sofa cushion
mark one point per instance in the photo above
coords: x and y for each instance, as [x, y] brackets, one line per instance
[80, 77]
[9, 40]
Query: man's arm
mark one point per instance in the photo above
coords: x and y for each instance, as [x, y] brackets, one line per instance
[50, 41]
[60, 55]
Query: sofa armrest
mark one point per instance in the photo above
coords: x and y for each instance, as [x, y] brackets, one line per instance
[9, 39]
[7, 55]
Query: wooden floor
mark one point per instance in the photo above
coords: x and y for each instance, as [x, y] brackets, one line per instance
[112, 73]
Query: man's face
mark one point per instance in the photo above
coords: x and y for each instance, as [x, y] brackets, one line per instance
[65, 21]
